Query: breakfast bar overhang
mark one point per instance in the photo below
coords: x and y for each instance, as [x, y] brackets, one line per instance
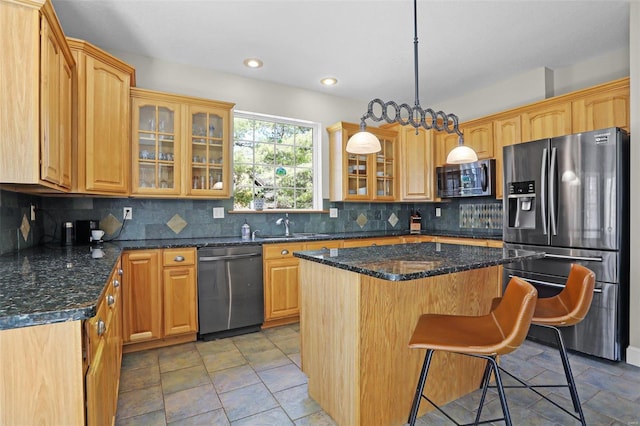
[359, 307]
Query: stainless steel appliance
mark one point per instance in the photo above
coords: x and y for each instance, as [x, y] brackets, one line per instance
[467, 180]
[230, 290]
[568, 196]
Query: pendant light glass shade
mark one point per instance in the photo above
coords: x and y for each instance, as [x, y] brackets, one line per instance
[462, 154]
[363, 143]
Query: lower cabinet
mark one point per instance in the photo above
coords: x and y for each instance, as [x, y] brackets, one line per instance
[160, 306]
[104, 353]
[281, 280]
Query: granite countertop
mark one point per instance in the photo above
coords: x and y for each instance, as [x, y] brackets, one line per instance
[412, 261]
[49, 284]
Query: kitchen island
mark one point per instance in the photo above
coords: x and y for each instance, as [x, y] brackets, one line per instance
[358, 309]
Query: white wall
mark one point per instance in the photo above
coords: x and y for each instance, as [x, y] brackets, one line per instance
[633, 352]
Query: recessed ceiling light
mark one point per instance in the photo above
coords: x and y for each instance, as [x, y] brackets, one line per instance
[329, 81]
[253, 63]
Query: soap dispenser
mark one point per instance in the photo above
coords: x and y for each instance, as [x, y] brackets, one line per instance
[246, 230]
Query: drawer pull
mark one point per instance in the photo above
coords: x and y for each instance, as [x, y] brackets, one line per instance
[101, 327]
[284, 252]
[178, 259]
[120, 271]
[373, 244]
[116, 283]
[111, 300]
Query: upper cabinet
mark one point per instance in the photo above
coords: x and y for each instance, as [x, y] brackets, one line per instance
[359, 177]
[181, 146]
[507, 130]
[546, 120]
[606, 105]
[478, 134]
[35, 106]
[416, 169]
[102, 116]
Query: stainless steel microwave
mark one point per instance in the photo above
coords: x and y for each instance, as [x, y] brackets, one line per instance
[477, 179]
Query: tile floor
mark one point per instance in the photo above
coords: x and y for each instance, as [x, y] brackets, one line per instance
[255, 379]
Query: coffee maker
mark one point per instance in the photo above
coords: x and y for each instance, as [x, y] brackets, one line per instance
[83, 230]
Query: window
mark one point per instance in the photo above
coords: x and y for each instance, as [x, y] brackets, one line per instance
[275, 159]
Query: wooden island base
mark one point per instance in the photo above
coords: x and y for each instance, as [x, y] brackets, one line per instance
[354, 335]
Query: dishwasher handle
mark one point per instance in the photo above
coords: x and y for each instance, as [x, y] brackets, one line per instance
[228, 257]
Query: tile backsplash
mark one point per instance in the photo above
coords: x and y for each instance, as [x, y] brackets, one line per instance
[169, 218]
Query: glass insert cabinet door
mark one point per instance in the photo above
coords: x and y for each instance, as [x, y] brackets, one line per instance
[156, 148]
[357, 176]
[209, 151]
[384, 170]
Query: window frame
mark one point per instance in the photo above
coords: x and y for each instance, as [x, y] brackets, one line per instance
[316, 160]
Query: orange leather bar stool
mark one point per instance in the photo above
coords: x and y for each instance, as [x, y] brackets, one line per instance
[487, 336]
[567, 308]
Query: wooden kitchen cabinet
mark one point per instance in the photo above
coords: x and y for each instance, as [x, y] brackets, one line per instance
[445, 142]
[367, 242]
[160, 298]
[142, 296]
[102, 119]
[105, 354]
[416, 167]
[181, 146]
[180, 291]
[35, 106]
[280, 272]
[357, 177]
[478, 134]
[546, 120]
[507, 131]
[602, 106]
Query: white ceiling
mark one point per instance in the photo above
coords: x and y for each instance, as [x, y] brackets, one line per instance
[366, 44]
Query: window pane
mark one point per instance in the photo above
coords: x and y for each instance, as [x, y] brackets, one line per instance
[273, 159]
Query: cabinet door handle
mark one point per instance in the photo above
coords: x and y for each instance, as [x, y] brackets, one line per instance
[101, 327]
[178, 259]
[111, 300]
[120, 271]
[284, 252]
[373, 244]
[116, 283]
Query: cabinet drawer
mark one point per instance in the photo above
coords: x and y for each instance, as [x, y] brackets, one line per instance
[178, 257]
[280, 251]
[322, 245]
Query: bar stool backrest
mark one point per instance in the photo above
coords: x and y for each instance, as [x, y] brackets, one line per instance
[575, 298]
[513, 314]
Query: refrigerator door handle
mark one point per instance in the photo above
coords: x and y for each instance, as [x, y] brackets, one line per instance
[543, 191]
[529, 280]
[583, 258]
[552, 192]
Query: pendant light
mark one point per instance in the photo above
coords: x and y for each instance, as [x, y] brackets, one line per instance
[365, 142]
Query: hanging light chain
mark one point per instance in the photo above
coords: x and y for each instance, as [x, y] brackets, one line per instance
[406, 115]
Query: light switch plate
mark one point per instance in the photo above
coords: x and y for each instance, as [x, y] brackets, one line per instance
[438, 212]
[333, 212]
[218, 212]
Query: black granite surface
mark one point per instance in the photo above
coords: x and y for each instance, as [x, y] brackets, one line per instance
[42, 285]
[48, 284]
[403, 262]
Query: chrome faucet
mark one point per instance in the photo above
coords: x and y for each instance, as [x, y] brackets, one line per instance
[284, 221]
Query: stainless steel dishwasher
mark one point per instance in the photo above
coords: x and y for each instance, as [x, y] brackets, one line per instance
[230, 291]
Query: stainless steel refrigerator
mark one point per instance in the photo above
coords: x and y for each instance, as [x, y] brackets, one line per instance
[569, 197]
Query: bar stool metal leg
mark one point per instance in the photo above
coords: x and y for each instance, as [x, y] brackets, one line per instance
[420, 388]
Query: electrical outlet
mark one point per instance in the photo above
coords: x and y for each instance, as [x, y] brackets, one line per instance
[33, 212]
[127, 213]
[333, 212]
[218, 212]
[438, 212]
